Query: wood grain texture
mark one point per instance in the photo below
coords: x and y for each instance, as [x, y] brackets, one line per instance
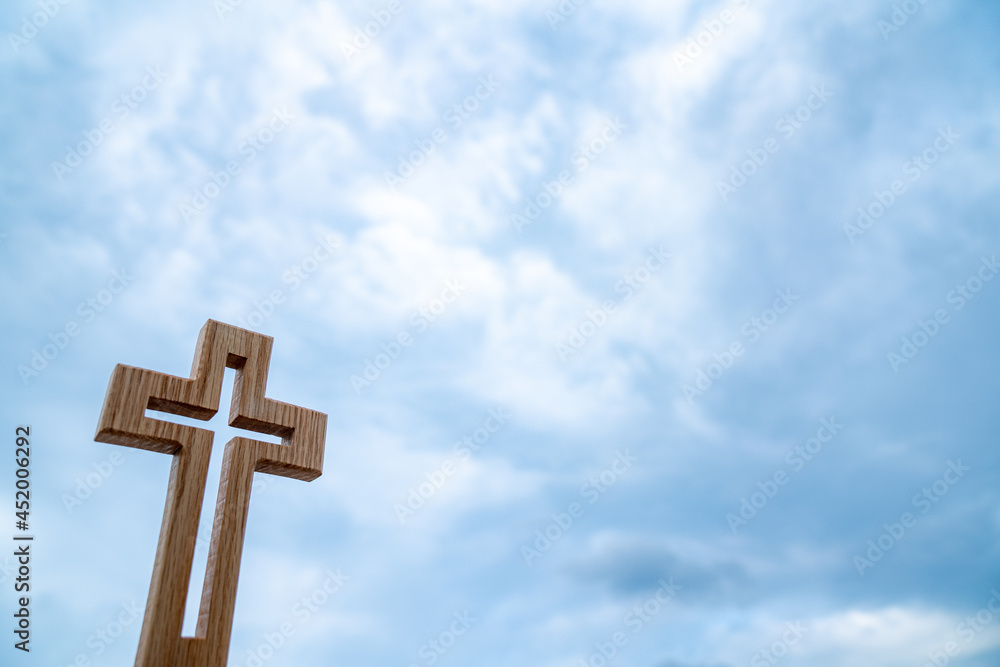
[300, 455]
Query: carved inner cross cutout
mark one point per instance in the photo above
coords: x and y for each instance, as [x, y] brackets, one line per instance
[300, 455]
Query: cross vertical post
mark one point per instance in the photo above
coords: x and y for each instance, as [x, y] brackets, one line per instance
[131, 392]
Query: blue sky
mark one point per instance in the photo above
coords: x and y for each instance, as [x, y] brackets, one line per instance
[723, 270]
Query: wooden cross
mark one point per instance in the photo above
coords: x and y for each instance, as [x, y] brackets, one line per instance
[300, 455]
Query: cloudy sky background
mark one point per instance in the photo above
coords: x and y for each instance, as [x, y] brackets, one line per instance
[681, 126]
